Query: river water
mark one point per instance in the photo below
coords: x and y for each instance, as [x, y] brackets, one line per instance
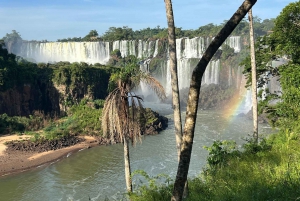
[98, 173]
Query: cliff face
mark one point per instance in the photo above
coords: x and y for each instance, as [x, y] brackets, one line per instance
[24, 100]
[49, 89]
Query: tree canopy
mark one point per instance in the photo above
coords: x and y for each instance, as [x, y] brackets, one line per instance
[281, 44]
[261, 27]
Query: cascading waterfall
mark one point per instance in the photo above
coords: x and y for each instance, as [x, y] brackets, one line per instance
[234, 42]
[211, 74]
[194, 48]
[90, 52]
[156, 49]
[126, 47]
[99, 52]
[189, 51]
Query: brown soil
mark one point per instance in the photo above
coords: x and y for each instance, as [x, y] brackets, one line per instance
[18, 158]
[18, 154]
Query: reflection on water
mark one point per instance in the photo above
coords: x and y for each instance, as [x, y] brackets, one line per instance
[98, 173]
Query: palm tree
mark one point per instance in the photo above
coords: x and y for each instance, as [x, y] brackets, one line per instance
[123, 112]
[253, 74]
[193, 98]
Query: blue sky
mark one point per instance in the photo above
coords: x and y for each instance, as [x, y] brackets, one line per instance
[57, 19]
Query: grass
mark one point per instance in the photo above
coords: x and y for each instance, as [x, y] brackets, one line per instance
[269, 171]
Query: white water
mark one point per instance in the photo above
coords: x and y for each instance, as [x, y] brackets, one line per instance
[90, 52]
[99, 52]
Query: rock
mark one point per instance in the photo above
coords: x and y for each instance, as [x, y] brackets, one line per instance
[43, 145]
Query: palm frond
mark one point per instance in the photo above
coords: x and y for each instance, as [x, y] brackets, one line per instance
[155, 85]
[123, 115]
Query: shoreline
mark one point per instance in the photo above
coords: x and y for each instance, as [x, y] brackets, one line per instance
[14, 162]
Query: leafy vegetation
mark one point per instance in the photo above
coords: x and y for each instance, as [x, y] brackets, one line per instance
[261, 27]
[268, 173]
[18, 124]
[282, 107]
[269, 170]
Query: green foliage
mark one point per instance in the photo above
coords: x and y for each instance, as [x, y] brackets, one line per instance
[86, 117]
[287, 33]
[57, 130]
[282, 109]
[81, 80]
[127, 33]
[219, 152]
[156, 187]
[128, 74]
[253, 147]
[286, 113]
[17, 124]
[271, 173]
[118, 33]
[92, 36]
[116, 53]
[10, 124]
[227, 52]
[13, 73]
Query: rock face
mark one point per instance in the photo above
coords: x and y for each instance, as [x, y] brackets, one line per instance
[160, 123]
[53, 89]
[23, 100]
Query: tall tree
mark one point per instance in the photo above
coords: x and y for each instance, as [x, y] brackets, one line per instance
[174, 75]
[123, 114]
[194, 92]
[282, 44]
[174, 78]
[253, 73]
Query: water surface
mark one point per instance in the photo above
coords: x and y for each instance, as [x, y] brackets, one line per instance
[98, 173]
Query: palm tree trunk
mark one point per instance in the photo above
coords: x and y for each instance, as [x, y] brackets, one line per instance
[253, 71]
[174, 80]
[127, 166]
[194, 92]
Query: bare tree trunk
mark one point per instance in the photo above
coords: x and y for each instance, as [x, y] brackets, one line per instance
[174, 80]
[127, 166]
[194, 92]
[174, 75]
[254, 82]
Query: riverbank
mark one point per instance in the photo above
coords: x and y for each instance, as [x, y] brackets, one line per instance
[266, 171]
[15, 161]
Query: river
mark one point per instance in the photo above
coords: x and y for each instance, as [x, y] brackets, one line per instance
[98, 173]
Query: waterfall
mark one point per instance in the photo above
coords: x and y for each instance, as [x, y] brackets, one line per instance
[234, 42]
[194, 48]
[126, 47]
[189, 50]
[99, 52]
[178, 48]
[90, 52]
[247, 102]
[211, 74]
[156, 49]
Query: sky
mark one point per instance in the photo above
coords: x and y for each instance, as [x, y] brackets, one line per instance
[57, 19]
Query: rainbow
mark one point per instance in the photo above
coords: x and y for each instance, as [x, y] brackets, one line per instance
[235, 104]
